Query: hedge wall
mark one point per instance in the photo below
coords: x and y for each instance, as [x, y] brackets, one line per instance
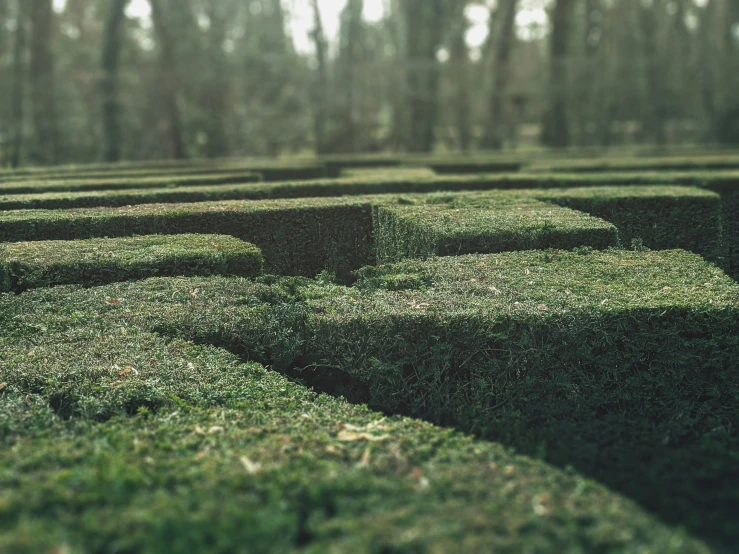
[420, 231]
[621, 364]
[662, 217]
[39, 187]
[116, 439]
[26, 265]
[297, 237]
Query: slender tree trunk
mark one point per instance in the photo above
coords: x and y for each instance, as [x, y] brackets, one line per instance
[19, 75]
[653, 111]
[169, 81]
[425, 19]
[321, 86]
[43, 93]
[503, 34]
[111, 107]
[459, 60]
[218, 84]
[556, 125]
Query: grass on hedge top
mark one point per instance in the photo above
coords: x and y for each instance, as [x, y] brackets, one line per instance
[90, 262]
[117, 439]
[412, 231]
[674, 163]
[123, 183]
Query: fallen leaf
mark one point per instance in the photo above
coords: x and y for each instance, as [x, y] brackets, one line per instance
[355, 436]
[128, 371]
[251, 468]
[215, 429]
[113, 301]
[3, 386]
[365, 460]
[494, 290]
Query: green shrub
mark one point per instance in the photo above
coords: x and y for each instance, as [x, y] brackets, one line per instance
[662, 217]
[26, 265]
[300, 237]
[420, 231]
[621, 364]
[116, 439]
[33, 187]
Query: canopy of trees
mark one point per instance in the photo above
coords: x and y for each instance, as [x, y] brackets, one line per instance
[85, 80]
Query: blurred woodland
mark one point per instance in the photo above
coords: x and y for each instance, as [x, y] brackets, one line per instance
[87, 80]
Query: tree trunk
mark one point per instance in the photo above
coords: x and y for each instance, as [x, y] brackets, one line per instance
[653, 111]
[19, 75]
[556, 130]
[169, 81]
[349, 61]
[503, 35]
[217, 88]
[459, 60]
[321, 86]
[111, 108]
[43, 98]
[424, 25]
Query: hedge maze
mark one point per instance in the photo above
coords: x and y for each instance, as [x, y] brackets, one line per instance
[370, 355]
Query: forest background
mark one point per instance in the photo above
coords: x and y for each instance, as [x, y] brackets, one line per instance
[89, 80]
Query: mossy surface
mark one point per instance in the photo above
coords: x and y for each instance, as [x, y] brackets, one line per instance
[36, 187]
[25, 265]
[446, 229]
[297, 237]
[115, 439]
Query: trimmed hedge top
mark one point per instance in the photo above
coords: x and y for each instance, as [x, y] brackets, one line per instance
[131, 441]
[421, 231]
[36, 188]
[26, 265]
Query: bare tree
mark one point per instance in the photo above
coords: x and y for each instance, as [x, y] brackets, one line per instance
[170, 81]
[502, 35]
[109, 86]
[424, 22]
[556, 124]
[19, 76]
[47, 146]
[321, 86]
[459, 59]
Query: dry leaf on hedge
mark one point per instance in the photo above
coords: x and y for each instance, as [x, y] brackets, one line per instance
[355, 436]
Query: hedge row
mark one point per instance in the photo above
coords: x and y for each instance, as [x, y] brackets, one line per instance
[505, 224]
[270, 171]
[621, 364]
[121, 183]
[27, 265]
[297, 237]
[401, 181]
[116, 439]
[667, 163]
[306, 236]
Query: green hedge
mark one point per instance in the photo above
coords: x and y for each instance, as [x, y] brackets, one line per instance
[270, 171]
[297, 237]
[621, 364]
[122, 183]
[667, 163]
[419, 231]
[116, 439]
[26, 265]
[662, 217]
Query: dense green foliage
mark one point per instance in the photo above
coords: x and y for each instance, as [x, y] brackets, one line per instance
[118, 435]
[26, 265]
[297, 237]
[446, 229]
[115, 439]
